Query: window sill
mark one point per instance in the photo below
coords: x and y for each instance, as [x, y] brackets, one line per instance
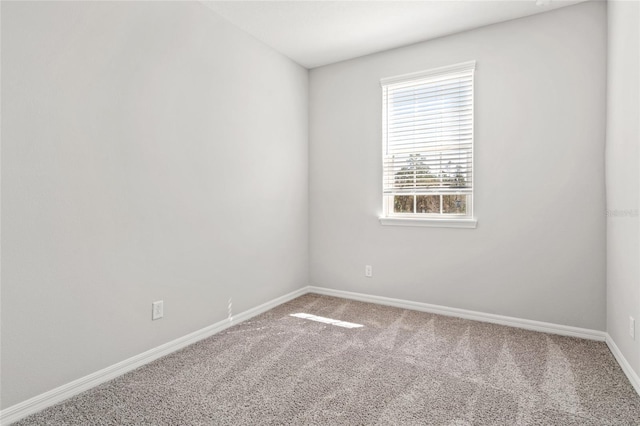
[433, 223]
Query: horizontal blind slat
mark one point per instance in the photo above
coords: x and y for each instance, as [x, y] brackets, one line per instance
[420, 95]
[462, 111]
[431, 104]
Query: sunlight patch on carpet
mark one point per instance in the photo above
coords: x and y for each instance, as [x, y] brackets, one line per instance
[331, 321]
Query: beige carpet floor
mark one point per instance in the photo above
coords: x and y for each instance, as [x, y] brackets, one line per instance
[401, 367]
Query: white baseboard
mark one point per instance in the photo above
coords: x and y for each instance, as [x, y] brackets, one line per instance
[545, 327]
[624, 364]
[54, 396]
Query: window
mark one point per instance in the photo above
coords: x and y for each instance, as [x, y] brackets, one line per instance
[427, 132]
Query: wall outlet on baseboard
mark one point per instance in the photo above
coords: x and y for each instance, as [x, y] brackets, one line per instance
[368, 271]
[157, 311]
[632, 328]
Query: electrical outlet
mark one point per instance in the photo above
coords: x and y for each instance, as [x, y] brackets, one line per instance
[632, 328]
[368, 271]
[157, 311]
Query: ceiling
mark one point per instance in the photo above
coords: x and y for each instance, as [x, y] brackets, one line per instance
[321, 32]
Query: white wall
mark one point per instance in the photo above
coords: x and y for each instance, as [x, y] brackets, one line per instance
[539, 249]
[623, 177]
[150, 151]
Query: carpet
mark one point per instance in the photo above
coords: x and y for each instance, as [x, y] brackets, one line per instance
[401, 367]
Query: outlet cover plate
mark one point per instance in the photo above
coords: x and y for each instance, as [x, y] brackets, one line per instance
[157, 311]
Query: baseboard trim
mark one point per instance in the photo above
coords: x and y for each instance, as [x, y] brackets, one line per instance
[545, 327]
[624, 364]
[59, 394]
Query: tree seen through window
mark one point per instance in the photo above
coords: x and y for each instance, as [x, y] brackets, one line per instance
[416, 175]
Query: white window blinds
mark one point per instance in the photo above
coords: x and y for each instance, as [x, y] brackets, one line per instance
[428, 132]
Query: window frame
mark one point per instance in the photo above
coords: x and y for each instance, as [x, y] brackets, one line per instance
[389, 217]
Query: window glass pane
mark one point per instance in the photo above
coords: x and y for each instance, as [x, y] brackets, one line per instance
[454, 204]
[403, 204]
[428, 203]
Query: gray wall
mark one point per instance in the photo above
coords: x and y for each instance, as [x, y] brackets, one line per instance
[623, 177]
[539, 249]
[149, 151]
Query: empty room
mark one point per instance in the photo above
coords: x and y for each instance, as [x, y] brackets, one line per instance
[320, 212]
